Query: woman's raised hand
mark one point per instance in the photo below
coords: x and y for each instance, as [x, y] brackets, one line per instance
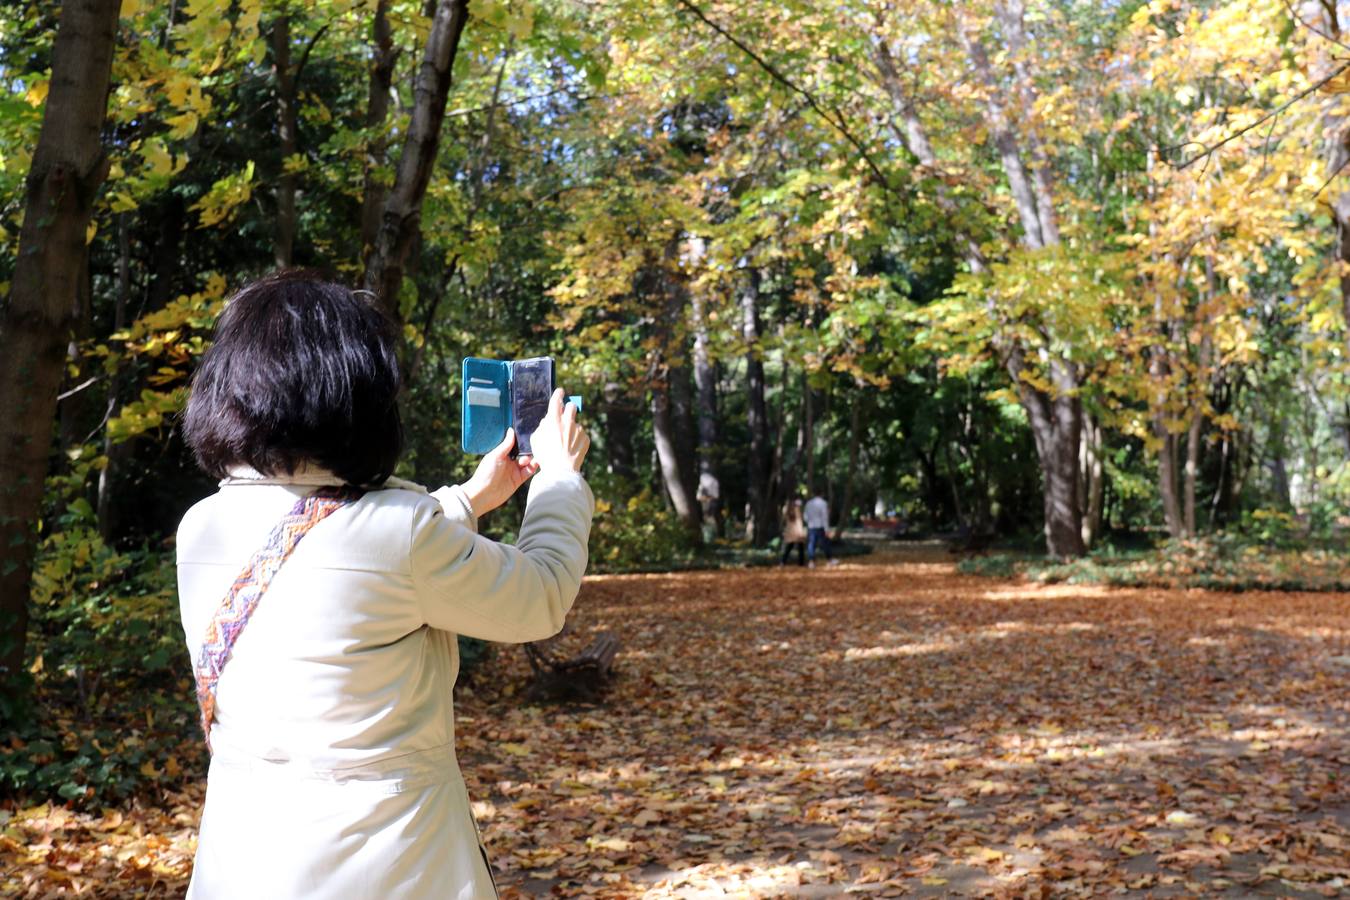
[560, 443]
[498, 476]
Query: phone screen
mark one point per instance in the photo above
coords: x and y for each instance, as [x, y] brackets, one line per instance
[531, 388]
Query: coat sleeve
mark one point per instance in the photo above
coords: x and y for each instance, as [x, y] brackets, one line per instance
[470, 585]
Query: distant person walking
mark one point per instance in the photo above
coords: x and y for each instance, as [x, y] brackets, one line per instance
[817, 516]
[794, 531]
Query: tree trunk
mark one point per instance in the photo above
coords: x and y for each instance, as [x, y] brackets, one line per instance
[1005, 141]
[1323, 17]
[806, 443]
[681, 492]
[621, 414]
[377, 111]
[915, 138]
[73, 409]
[283, 245]
[854, 439]
[1056, 424]
[67, 169]
[1056, 417]
[400, 217]
[1194, 435]
[705, 380]
[1093, 481]
[113, 453]
[759, 522]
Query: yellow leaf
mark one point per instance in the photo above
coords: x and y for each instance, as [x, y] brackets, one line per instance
[37, 94]
[934, 880]
[515, 749]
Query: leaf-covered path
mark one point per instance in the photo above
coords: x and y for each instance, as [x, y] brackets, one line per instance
[889, 726]
[886, 727]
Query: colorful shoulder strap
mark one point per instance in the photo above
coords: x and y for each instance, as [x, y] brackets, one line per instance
[242, 599]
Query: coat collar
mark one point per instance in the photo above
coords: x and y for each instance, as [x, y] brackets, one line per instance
[304, 476]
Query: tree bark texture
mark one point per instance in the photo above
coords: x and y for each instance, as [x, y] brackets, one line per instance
[400, 217]
[68, 168]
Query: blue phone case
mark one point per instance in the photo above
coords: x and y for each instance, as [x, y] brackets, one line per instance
[487, 403]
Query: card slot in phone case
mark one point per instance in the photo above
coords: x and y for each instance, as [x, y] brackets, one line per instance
[481, 396]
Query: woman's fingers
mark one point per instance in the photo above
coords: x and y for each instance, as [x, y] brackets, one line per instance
[503, 450]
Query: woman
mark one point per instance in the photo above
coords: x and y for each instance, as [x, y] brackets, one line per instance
[329, 716]
[794, 531]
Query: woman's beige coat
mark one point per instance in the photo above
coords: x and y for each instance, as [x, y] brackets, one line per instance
[794, 529]
[334, 772]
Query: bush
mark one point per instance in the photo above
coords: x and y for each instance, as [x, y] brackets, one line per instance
[634, 530]
[112, 709]
[999, 565]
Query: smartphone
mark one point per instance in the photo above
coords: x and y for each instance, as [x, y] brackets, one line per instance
[532, 387]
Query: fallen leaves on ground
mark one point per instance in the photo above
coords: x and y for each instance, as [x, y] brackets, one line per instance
[886, 727]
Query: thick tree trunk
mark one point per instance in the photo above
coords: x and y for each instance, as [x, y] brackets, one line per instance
[681, 492]
[1056, 417]
[705, 381]
[283, 244]
[67, 169]
[1167, 481]
[759, 522]
[400, 217]
[377, 111]
[1056, 424]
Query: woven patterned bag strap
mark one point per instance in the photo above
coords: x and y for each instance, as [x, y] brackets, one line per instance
[242, 599]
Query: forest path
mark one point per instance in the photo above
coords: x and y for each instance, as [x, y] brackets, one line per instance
[891, 727]
[885, 727]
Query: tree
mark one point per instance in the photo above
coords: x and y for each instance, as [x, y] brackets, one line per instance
[401, 216]
[68, 168]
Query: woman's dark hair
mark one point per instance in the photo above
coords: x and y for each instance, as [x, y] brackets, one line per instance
[302, 371]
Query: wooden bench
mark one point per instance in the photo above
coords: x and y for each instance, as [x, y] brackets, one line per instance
[582, 677]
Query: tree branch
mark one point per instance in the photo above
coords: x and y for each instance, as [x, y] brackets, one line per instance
[836, 121]
[1209, 150]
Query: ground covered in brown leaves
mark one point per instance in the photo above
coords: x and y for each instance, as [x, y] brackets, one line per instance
[884, 727]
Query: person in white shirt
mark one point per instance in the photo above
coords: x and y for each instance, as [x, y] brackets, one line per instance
[817, 516]
[327, 703]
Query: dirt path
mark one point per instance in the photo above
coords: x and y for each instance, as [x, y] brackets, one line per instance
[891, 727]
[885, 727]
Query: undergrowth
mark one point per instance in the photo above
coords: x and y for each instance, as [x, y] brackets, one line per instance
[1223, 561]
